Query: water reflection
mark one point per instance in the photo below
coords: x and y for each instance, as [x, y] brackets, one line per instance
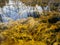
[13, 12]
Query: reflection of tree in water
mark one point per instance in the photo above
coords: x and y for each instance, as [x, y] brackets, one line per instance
[3, 2]
[1, 18]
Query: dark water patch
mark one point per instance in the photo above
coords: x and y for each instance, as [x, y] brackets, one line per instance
[54, 20]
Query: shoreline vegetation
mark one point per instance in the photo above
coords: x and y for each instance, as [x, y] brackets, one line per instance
[33, 31]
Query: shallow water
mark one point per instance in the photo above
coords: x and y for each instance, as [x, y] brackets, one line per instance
[12, 12]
